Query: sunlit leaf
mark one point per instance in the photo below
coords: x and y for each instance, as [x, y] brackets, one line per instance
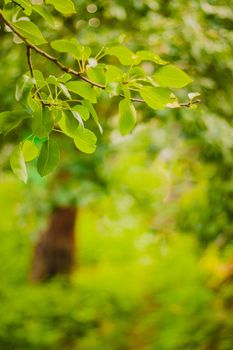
[155, 97]
[113, 74]
[63, 6]
[65, 90]
[171, 76]
[144, 55]
[78, 117]
[82, 89]
[30, 31]
[127, 116]
[97, 74]
[30, 151]
[124, 55]
[68, 123]
[85, 140]
[66, 46]
[82, 110]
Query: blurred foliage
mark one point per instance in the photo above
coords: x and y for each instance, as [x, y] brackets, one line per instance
[154, 227]
[132, 289]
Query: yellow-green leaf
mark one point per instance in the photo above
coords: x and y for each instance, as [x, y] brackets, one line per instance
[144, 55]
[67, 46]
[30, 151]
[63, 6]
[127, 116]
[155, 97]
[171, 76]
[113, 74]
[82, 110]
[30, 32]
[85, 140]
[124, 55]
[82, 89]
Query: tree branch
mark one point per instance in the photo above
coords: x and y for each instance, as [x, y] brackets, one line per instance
[50, 57]
[66, 69]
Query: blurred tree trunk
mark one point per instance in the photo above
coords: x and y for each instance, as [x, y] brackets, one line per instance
[55, 251]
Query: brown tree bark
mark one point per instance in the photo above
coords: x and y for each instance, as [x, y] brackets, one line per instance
[55, 251]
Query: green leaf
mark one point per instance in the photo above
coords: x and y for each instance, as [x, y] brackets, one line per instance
[78, 117]
[137, 72]
[150, 56]
[68, 123]
[113, 74]
[93, 113]
[11, 119]
[26, 5]
[66, 46]
[18, 164]
[85, 140]
[56, 114]
[52, 80]
[155, 97]
[65, 90]
[63, 6]
[64, 78]
[30, 151]
[97, 74]
[82, 89]
[42, 122]
[72, 46]
[63, 126]
[127, 116]
[85, 52]
[49, 157]
[38, 76]
[45, 14]
[82, 110]
[171, 76]
[30, 31]
[23, 87]
[124, 55]
[31, 103]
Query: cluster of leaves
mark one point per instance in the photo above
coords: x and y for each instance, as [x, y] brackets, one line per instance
[65, 103]
[198, 36]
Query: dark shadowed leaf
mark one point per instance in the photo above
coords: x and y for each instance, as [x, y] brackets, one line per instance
[49, 157]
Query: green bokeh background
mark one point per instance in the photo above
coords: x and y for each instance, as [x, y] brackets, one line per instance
[155, 214]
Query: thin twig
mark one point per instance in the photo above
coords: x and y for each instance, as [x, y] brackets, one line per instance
[16, 3]
[29, 59]
[190, 103]
[50, 57]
